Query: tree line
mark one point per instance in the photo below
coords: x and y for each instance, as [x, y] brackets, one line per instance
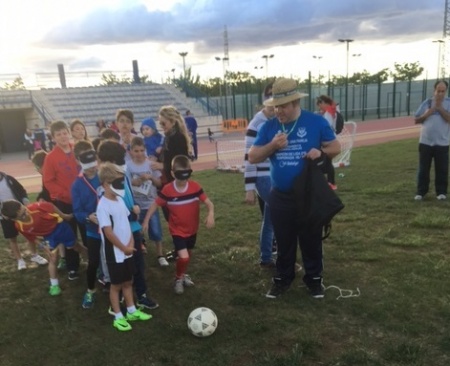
[244, 82]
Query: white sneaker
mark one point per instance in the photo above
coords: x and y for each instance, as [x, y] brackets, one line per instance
[187, 281]
[441, 197]
[163, 262]
[39, 260]
[21, 264]
[418, 197]
[179, 288]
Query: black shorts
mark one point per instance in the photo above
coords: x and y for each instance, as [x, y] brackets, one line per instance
[184, 243]
[121, 272]
[9, 229]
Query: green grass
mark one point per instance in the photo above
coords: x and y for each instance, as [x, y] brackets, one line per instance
[395, 250]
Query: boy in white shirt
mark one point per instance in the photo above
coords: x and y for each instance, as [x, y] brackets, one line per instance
[118, 245]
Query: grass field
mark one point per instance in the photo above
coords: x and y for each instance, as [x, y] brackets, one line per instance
[393, 249]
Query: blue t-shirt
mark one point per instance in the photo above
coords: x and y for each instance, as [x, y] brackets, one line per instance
[308, 132]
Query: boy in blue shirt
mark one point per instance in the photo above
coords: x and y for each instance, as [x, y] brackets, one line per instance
[86, 191]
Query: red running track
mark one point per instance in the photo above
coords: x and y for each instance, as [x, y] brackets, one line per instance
[367, 133]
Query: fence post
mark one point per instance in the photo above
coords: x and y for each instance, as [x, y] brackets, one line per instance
[408, 98]
[379, 97]
[394, 86]
[233, 92]
[310, 91]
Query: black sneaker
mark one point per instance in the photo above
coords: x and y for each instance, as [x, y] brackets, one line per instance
[106, 287]
[73, 275]
[146, 302]
[268, 265]
[172, 256]
[276, 290]
[315, 288]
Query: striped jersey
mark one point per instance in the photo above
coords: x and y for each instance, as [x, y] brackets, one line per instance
[183, 207]
[253, 171]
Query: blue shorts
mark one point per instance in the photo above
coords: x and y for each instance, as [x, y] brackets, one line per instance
[154, 225]
[63, 234]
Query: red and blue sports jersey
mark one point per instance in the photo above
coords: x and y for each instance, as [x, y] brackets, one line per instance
[184, 207]
[42, 220]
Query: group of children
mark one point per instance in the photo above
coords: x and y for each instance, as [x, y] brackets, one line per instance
[113, 199]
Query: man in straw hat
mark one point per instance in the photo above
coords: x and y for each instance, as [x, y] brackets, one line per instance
[293, 135]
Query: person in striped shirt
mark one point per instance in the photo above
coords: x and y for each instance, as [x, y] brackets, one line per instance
[257, 179]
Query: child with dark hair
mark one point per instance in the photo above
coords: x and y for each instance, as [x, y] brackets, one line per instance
[10, 188]
[59, 172]
[42, 219]
[144, 183]
[96, 142]
[182, 198]
[78, 131]
[109, 134]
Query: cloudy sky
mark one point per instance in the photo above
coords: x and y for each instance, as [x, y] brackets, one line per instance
[89, 35]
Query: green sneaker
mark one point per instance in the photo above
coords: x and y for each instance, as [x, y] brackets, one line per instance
[88, 300]
[138, 315]
[62, 263]
[54, 290]
[122, 325]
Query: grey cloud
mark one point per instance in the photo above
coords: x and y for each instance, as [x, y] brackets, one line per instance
[87, 63]
[254, 24]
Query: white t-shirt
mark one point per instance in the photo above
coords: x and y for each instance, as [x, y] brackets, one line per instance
[145, 194]
[114, 214]
[5, 191]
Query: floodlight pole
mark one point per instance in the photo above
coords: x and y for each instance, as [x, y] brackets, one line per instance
[439, 42]
[266, 57]
[346, 77]
[184, 54]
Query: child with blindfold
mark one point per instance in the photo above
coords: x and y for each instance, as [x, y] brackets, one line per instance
[118, 245]
[182, 199]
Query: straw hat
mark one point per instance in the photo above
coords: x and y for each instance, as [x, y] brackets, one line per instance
[284, 91]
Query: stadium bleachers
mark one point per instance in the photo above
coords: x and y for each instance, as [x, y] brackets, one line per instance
[93, 103]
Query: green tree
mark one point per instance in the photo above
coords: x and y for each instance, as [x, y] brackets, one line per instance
[407, 71]
[113, 79]
[17, 84]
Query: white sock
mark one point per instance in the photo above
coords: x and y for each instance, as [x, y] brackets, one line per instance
[131, 309]
[118, 316]
[54, 282]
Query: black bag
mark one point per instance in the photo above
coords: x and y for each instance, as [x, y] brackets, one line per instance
[339, 122]
[317, 203]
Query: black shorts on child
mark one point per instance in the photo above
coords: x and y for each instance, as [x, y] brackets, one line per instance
[121, 272]
[9, 229]
[184, 243]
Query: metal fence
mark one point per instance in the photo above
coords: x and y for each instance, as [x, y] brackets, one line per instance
[365, 101]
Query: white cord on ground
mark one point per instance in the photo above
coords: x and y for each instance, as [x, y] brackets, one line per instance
[344, 294]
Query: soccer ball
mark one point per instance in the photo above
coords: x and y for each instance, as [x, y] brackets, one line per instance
[202, 322]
